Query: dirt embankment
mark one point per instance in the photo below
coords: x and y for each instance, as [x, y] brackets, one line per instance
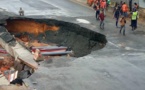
[29, 26]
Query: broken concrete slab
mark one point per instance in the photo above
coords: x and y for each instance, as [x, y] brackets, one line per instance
[19, 52]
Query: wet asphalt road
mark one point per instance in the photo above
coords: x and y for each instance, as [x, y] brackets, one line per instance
[118, 66]
[142, 3]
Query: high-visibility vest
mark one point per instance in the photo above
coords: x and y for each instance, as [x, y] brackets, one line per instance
[134, 16]
[124, 8]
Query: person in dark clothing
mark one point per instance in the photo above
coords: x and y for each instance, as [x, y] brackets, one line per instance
[116, 16]
[97, 9]
[130, 5]
[115, 7]
[135, 7]
[120, 6]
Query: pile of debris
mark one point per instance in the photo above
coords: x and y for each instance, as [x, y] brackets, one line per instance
[19, 53]
[7, 71]
[14, 59]
[43, 51]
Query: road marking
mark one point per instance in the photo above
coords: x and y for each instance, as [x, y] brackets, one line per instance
[114, 44]
[83, 21]
[125, 47]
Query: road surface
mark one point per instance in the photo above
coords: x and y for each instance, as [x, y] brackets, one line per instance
[142, 3]
[118, 66]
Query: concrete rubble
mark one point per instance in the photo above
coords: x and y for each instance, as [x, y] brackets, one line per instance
[27, 50]
[8, 54]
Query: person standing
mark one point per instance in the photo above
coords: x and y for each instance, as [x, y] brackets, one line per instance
[116, 16]
[130, 5]
[103, 5]
[115, 7]
[102, 17]
[124, 9]
[21, 12]
[134, 19]
[108, 3]
[120, 7]
[90, 2]
[96, 7]
[135, 6]
[122, 24]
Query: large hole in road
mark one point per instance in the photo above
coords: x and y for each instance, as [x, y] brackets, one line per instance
[80, 39]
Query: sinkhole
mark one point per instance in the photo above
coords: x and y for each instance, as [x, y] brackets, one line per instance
[81, 40]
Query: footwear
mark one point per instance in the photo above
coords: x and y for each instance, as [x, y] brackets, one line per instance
[135, 28]
[132, 28]
[116, 26]
[100, 27]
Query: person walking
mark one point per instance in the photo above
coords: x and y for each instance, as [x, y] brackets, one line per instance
[116, 16]
[120, 7]
[134, 19]
[103, 5]
[135, 6]
[107, 4]
[115, 7]
[96, 7]
[124, 9]
[130, 5]
[102, 17]
[122, 24]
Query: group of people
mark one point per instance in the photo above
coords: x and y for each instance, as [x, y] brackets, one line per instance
[123, 10]
[100, 6]
[120, 10]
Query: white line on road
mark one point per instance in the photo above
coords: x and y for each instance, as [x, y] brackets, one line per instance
[126, 48]
[114, 44]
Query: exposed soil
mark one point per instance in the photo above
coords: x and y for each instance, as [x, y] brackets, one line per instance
[80, 39]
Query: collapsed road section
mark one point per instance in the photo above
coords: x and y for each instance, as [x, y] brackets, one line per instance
[80, 39]
[30, 40]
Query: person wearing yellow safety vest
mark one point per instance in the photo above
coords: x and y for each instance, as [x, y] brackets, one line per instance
[134, 19]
